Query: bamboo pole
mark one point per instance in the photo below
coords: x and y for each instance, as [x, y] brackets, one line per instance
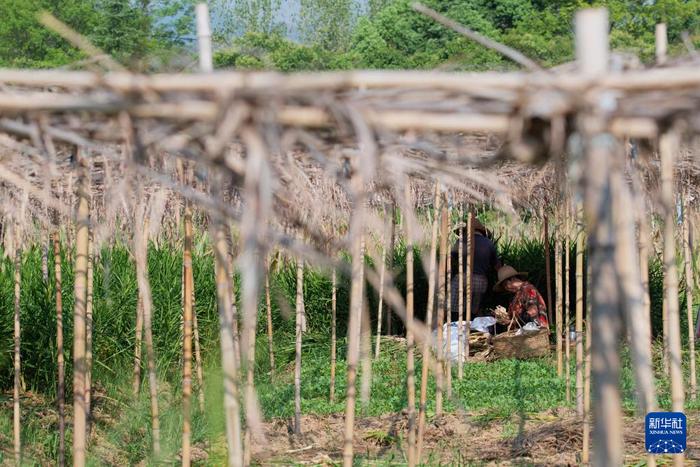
[234, 307]
[382, 270]
[88, 333]
[448, 310]
[469, 272]
[567, 311]
[138, 347]
[45, 245]
[229, 363]
[661, 43]
[251, 399]
[410, 344]
[61, 384]
[365, 344]
[198, 365]
[460, 296]
[592, 50]
[334, 287]
[429, 324]
[579, 315]
[442, 266]
[639, 80]
[187, 336]
[557, 302]
[687, 254]
[141, 256]
[82, 221]
[206, 65]
[354, 328]
[665, 350]
[297, 352]
[547, 267]
[16, 411]
[388, 317]
[585, 454]
[643, 241]
[632, 291]
[695, 252]
[668, 147]
[268, 307]
[661, 46]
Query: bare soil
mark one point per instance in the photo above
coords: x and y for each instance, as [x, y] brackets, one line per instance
[550, 438]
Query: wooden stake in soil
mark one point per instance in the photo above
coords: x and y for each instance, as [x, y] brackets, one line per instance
[558, 295]
[234, 307]
[661, 47]
[187, 337]
[297, 352]
[141, 257]
[268, 306]
[460, 296]
[82, 221]
[567, 311]
[334, 286]
[365, 346]
[138, 350]
[206, 65]
[631, 288]
[410, 345]
[17, 366]
[468, 280]
[585, 455]
[198, 366]
[354, 327]
[547, 267]
[45, 261]
[382, 270]
[592, 50]
[61, 389]
[665, 351]
[689, 297]
[88, 333]
[442, 266]
[429, 324]
[389, 330]
[668, 147]
[224, 294]
[448, 311]
[643, 241]
[579, 316]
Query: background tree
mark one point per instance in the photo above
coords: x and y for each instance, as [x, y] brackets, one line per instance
[237, 17]
[327, 23]
[156, 35]
[122, 29]
[24, 42]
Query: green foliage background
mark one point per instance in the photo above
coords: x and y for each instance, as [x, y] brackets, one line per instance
[331, 34]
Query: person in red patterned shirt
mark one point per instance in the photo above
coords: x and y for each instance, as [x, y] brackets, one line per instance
[527, 304]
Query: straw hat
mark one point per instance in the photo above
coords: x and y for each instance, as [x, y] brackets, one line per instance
[505, 273]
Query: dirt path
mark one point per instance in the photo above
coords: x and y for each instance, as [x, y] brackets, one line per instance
[550, 438]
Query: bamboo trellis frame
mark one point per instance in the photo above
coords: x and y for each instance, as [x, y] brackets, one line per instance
[232, 116]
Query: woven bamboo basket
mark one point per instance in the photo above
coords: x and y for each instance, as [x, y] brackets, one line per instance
[527, 345]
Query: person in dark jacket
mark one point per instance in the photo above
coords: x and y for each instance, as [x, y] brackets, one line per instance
[485, 260]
